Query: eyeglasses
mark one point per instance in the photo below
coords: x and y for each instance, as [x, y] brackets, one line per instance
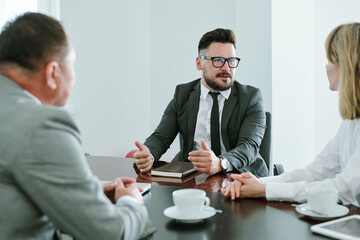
[218, 62]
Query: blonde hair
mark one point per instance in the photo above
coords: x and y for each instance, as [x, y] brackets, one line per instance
[343, 48]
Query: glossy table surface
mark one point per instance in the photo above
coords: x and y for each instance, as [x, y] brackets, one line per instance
[241, 219]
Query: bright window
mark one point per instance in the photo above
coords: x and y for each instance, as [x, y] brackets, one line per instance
[11, 8]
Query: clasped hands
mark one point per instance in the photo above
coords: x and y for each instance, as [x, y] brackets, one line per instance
[244, 185]
[204, 160]
[122, 187]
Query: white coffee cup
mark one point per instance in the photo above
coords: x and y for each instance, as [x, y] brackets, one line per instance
[190, 202]
[322, 199]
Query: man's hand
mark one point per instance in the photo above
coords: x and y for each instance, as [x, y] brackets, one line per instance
[205, 160]
[121, 187]
[128, 190]
[244, 185]
[144, 177]
[143, 159]
[109, 189]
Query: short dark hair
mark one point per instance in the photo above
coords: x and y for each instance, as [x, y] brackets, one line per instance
[218, 35]
[31, 40]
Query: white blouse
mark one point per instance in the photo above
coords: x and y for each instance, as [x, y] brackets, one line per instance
[338, 165]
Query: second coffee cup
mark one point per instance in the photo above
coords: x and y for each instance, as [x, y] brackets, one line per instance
[190, 202]
[322, 199]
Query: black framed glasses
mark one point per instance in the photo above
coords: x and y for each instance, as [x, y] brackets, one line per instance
[218, 62]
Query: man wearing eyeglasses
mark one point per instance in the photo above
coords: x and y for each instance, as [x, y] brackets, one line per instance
[221, 122]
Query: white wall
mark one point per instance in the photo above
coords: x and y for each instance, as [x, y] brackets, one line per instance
[49, 7]
[253, 23]
[292, 82]
[132, 54]
[111, 99]
[9, 9]
[305, 111]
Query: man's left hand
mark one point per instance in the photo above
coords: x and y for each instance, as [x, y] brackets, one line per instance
[205, 160]
[110, 187]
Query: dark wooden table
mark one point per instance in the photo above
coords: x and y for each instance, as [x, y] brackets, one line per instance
[241, 219]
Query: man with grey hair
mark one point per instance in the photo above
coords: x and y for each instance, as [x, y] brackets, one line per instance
[46, 184]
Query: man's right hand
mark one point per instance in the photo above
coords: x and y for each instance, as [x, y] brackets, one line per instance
[143, 159]
[128, 189]
[122, 187]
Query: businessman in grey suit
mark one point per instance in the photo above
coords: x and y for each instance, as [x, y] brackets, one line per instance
[46, 185]
[221, 122]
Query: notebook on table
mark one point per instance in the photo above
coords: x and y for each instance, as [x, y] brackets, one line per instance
[174, 169]
[171, 179]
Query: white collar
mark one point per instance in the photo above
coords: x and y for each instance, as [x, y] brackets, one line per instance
[204, 91]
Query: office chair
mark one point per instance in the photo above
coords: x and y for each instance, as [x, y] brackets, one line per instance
[265, 148]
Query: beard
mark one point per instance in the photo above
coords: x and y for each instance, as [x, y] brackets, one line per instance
[211, 82]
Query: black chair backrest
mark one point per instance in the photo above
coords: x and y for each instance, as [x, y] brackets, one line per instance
[265, 147]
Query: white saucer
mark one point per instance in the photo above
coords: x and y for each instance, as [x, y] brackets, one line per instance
[173, 213]
[338, 211]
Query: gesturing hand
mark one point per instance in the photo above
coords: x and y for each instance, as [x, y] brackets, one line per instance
[143, 159]
[205, 160]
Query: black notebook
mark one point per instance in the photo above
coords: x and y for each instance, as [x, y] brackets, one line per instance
[174, 169]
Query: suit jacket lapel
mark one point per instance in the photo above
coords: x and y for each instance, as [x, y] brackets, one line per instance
[193, 109]
[226, 114]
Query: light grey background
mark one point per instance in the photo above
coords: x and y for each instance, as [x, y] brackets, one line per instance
[132, 54]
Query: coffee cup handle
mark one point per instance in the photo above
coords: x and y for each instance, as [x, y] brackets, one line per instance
[207, 201]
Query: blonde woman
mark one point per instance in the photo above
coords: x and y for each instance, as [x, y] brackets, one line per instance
[338, 165]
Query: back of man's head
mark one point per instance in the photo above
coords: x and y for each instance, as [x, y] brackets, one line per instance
[32, 40]
[218, 35]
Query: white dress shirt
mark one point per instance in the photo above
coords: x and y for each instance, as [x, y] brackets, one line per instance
[338, 165]
[202, 128]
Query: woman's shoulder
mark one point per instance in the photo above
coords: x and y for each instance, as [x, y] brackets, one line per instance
[351, 122]
[350, 127]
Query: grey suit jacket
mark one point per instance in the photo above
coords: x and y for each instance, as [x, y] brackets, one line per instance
[46, 184]
[242, 126]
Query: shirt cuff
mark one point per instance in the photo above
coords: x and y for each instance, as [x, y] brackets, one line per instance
[279, 191]
[291, 192]
[126, 198]
[271, 179]
[153, 159]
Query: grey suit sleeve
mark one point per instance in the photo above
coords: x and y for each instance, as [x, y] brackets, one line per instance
[244, 157]
[54, 174]
[166, 131]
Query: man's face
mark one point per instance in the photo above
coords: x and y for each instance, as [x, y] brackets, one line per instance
[66, 77]
[217, 79]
